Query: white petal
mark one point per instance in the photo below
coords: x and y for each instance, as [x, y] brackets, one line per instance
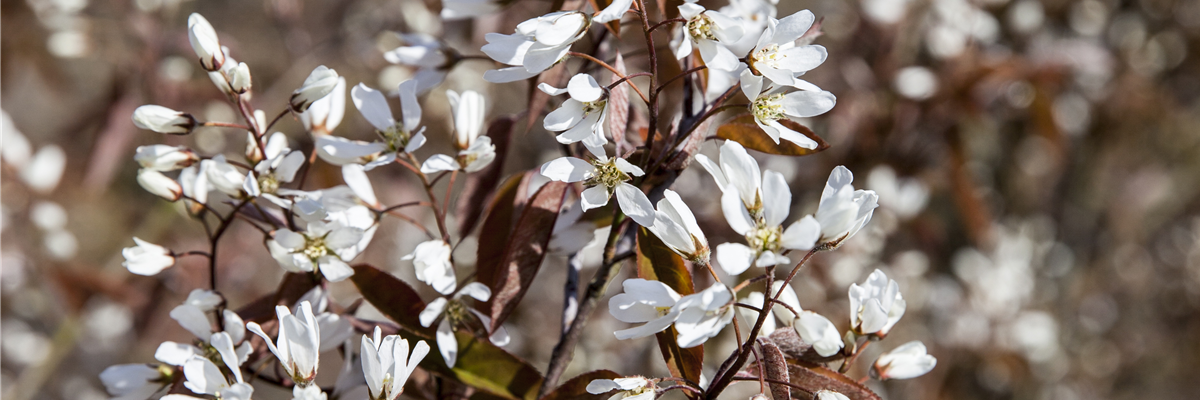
[409, 107]
[175, 354]
[192, 319]
[584, 88]
[593, 197]
[777, 198]
[635, 204]
[447, 343]
[568, 169]
[802, 234]
[432, 311]
[735, 212]
[439, 162]
[735, 258]
[477, 291]
[613, 12]
[356, 178]
[804, 104]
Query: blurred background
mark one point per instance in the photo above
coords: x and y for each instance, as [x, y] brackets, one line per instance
[1037, 164]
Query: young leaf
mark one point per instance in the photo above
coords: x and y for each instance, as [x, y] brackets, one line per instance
[744, 131]
[775, 368]
[618, 107]
[656, 261]
[500, 215]
[525, 250]
[481, 184]
[812, 378]
[794, 347]
[391, 296]
[576, 388]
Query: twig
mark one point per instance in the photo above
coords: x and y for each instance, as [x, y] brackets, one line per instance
[226, 125]
[614, 71]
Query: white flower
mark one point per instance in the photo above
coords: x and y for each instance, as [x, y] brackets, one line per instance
[387, 364]
[613, 12]
[709, 31]
[431, 260]
[537, 44]
[394, 137]
[816, 330]
[335, 330]
[337, 150]
[239, 78]
[226, 178]
[161, 157]
[319, 84]
[474, 152]
[147, 258]
[453, 10]
[843, 210]
[754, 15]
[875, 306]
[432, 59]
[756, 207]
[299, 342]
[204, 41]
[651, 302]
[631, 388]
[310, 392]
[773, 104]
[323, 247]
[702, 315]
[778, 58]
[453, 312]
[194, 180]
[910, 360]
[163, 120]
[675, 225]
[204, 377]
[279, 167]
[582, 117]
[829, 395]
[756, 299]
[132, 381]
[603, 177]
[159, 185]
[325, 114]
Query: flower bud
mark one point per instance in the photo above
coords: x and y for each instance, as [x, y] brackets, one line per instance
[319, 84]
[205, 43]
[158, 184]
[829, 395]
[163, 120]
[161, 157]
[910, 360]
[147, 258]
[239, 78]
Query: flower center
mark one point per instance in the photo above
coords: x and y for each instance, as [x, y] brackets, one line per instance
[768, 56]
[768, 108]
[395, 137]
[315, 248]
[765, 238]
[700, 27]
[593, 106]
[607, 174]
[268, 183]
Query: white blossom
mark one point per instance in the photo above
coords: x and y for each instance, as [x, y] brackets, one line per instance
[298, 343]
[204, 41]
[355, 176]
[603, 177]
[338, 150]
[395, 138]
[239, 78]
[387, 364]
[159, 185]
[431, 260]
[537, 44]
[824, 394]
[454, 10]
[147, 258]
[630, 388]
[581, 118]
[907, 361]
[649, 302]
[431, 57]
[777, 57]
[709, 31]
[226, 177]
[310, 392]
[161, 157]
[322, 247]
[163, 120]
[325, 114]
[676, 226]
[875, 306]
[132, 381]
[769, 104]
[319, 84]
[614, 11]
[819, 332]
[754, 16]
[703, 315]
[843, 210]
[474, 152]
[453, 312]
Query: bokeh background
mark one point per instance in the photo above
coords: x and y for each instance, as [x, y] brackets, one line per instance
[1037, 164]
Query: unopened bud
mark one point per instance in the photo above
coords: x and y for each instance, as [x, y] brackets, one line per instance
[160, 185]
[239, 78]
[319, 84]
[253, 153]
[163, 120]
[205, 43]
[910, 360]
[161, 157]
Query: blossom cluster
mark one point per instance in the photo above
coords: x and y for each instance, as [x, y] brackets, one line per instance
[318, 233]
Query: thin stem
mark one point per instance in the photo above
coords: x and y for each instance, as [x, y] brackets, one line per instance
[850, 361]
[212, 259]
[680, 76]
[277, 118]
[652, 103]
[192, 253]
[226, 125]
[614, 71]
[669, 21]
[627, 77]
[402, 205]
[438, 214]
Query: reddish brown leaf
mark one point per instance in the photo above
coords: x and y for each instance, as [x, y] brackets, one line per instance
[775, 368]
[481, 184]
[618, 106]
[576, 388]
[813, 378]
[391, 296]
[525, 250]
[290, 289]
[744, 131]
[500, 216]
[656, 261]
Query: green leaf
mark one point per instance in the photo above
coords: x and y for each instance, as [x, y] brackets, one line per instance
[484, 366]
[657, 262]
[576, 388]
[525, 251]
[744, 131]
[392, 297]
